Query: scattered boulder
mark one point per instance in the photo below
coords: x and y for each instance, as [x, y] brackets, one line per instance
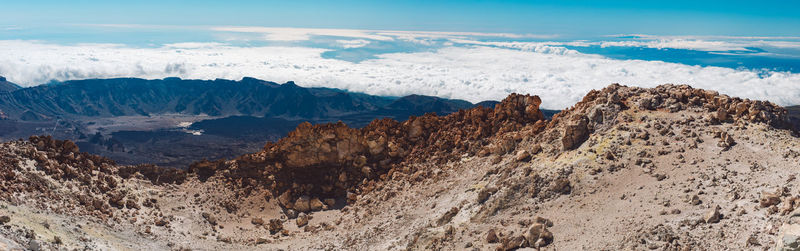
[788, 237]
[713, 216]
[315, 204]
[211, 219]
[160, 222]
[491, 236]
[575, 134]
[769, 199]
[725, 141]
[302, 220]
[513, 243]
[522, 156]
[275, 226]
[303, 204]
[330, 202]
[291, 213]
[561, 186]
[484, 194]
[538, 236]
[35, 245]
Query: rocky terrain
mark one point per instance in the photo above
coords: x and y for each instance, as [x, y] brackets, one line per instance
[667, 168]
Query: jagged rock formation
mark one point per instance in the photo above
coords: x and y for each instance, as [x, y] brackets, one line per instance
[670, 168]
[331, 160]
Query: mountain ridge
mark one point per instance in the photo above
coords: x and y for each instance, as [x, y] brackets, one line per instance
[6, 86]
[249, 96]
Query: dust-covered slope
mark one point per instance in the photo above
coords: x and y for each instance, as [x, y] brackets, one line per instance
[671, 168]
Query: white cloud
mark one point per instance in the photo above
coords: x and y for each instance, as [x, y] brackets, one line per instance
[541, 47]
[474, 72]
[705, 43]
[193, 45]
[353, 43]
[699, 45]
[687, 44]
[302, 34]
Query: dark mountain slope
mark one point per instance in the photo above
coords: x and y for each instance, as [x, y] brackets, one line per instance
[6, 86]
[249, 96]
[794, 115]
[244, 115]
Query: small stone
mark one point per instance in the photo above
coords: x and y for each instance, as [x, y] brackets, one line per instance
[225, 239]
[769, 199]
[303, 204]
[4, 219]
[561, 186]
[275, 225]
[695, 200]
[484, 194]
[542, 220]
[161, 222]
[210, 218]
[330, 202]
[514, 243]
[316, 204]
[722, 114]
[537, 232]
[713, 216]
[34, 245]
[257, 221]
[491, 236]
[302, 219]
[522, 156]
[285, 198]
[789, 237]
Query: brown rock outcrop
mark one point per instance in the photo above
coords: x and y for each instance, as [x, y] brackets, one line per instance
[328, 160]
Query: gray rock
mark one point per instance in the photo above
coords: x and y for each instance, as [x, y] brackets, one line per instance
[789, 237]
[34, 245]
[713, 216]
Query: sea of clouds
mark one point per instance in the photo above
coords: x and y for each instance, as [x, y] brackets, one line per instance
[462, 69]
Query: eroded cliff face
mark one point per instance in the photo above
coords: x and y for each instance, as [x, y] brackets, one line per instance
[486, 178]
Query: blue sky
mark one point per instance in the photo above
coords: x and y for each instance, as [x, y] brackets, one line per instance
[571, 18]
[472, 50]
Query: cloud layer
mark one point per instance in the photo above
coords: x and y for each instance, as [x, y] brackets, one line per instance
[474, 72]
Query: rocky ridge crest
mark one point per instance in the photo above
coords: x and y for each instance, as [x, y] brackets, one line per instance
[336, 162]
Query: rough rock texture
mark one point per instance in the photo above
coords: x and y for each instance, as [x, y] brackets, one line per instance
[331, 160]
[666, 168]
